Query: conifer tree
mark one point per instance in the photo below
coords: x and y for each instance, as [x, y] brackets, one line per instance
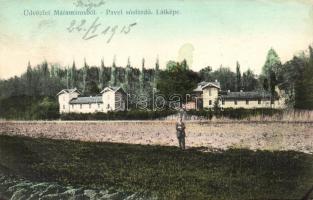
[273, 83]
[44, 78]
[101, 75]
[272, 63]
[156, 73]
[184, 65]
[304, 84]
[73, 75]
[29, 79]
[68, 78]
[238, 77]
[85, 73]
[127, 83]
[142, 77]
[113, 73]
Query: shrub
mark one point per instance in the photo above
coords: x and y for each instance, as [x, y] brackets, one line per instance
[120, 115]
[235, 113]
[29, 108]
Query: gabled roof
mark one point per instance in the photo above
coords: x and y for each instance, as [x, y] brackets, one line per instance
[68, 91]
[205, 84]
[212, 84]
[87, 100]
[246, 95]
[114, 89]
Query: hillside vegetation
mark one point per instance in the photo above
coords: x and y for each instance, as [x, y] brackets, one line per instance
[40, 83]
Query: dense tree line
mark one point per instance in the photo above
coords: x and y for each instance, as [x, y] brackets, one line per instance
[177, 79]
[295, 77]
[246, 81]
[29, 108]
[48, 79]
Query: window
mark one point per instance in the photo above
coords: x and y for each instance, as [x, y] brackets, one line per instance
[98, 105]
[235, 102]
[247, 102]
[272, 101]
[223, 102]
[259, 101]
[210, 102]
[81, 106]
[72, 106]
[89, 105]
[210, 93]
[63, 106]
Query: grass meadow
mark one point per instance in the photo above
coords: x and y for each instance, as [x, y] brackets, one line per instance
[162, 171]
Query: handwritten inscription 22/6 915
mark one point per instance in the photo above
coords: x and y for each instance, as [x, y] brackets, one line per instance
[96, 28]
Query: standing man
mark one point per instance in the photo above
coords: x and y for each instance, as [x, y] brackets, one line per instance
[180, 130]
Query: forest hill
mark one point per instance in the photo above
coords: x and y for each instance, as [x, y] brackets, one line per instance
[294, 76]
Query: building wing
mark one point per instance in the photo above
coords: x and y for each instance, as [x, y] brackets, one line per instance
[255, 95]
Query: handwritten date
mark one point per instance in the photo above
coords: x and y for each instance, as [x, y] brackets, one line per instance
[97, 28]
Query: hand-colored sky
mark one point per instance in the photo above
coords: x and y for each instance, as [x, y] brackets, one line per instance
[206, 32]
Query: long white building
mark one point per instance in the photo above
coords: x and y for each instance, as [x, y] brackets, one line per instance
[109, 99]
[209, 93]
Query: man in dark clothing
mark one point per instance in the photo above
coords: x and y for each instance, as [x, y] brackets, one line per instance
[180, 130]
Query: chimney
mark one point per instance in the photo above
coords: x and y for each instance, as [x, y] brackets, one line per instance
[228, 91]
[241, 91]
[215, 80]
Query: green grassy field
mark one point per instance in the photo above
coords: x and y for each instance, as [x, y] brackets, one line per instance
[166, 172]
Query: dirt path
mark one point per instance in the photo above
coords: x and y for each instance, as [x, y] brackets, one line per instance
[252, 135]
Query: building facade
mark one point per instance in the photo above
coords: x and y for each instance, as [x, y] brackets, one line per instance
[209, 94]
[109, 99]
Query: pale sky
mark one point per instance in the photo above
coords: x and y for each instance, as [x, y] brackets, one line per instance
[205, 32]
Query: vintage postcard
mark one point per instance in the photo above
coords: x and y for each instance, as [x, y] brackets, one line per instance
[147, 99]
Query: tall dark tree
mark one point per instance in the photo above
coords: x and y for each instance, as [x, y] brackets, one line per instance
[101, 74]
[272, 63]
[142, 77]
[226, 77]
[44, 78]
[184, 64]
[73, 76]
[68, 78]
[265, 84]
[156, 73]
[29, 76]
[113, 73]
[206, 74]
[45, 69]
[273, 84]
[238, 77]
[177, 81]
[304, 85]
[249, 81]
[171, 65]
[127, 79]
[85, 73]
